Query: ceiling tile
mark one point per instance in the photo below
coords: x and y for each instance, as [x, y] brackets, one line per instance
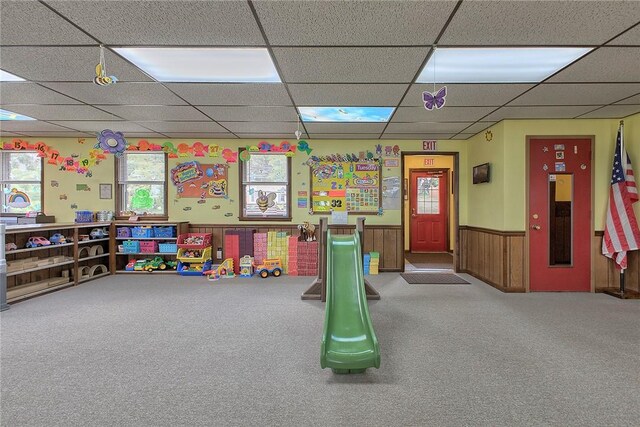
[546, 112]
[60, 112]
[430, 127]
[576, 94]
[253, 94]
[362, 136]
[635, 99]
[98, 126]
[251, 114]
[48, 64]
[478, 127]
[353, 64]
[30, 93]
[631, 37]
[53, 134]
[119, 93]
[29, 125]
[345, 95]
[155, 112]
[265, 135]
[612, 112]
[539, 22]
[258, 127]
[146, 134]
[352, 23]
[314, 128]
[30, 22]
[179, 127]
[200, 135]
[165, 22]
[418, 136]
[445, 114]
[4, 133]
[607, 64]
[468, 95]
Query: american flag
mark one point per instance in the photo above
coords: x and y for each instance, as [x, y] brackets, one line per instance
[621, 232]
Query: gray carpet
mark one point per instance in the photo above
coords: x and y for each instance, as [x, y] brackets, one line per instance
[433, 279]
[432, 260]
[161, 350]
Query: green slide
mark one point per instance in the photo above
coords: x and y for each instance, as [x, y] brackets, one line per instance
[349, 344]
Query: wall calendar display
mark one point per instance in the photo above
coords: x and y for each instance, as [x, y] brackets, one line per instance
[354, 187]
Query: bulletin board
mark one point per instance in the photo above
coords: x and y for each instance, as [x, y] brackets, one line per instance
[196, 180]
[354, 187]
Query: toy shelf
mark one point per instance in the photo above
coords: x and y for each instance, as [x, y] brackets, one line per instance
[171, 271]
[93, 257]
[147, 253]
[146, 238]
[84, 242]
[34, 293]
[86, 279]
[19, 251]
[41, 267]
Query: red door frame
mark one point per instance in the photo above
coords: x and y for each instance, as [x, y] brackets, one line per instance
[528, 230]
[443, 171]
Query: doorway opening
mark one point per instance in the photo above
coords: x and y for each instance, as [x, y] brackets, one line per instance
[430, 211]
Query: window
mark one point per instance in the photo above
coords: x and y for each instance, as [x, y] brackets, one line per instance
[265, 192]
[21, 181]
[142, 184]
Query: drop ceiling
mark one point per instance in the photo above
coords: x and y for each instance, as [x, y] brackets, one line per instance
[328, 53]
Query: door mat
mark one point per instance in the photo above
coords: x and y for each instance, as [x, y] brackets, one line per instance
[433, 279]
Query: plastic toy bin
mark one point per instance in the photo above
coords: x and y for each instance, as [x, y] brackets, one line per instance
[206, 240]
[205, 255]
[168, 248]
[130, 246]
[163, 231]
[123, 232]
[149, 246]
[84, 216]
[142, 232]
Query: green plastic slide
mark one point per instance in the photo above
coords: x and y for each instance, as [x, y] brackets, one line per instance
[349, 344]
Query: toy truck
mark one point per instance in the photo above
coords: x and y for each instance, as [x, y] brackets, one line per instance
[271, 266]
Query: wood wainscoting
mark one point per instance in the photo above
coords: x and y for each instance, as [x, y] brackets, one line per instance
[495, 257]
[385, 239]
[604, 270]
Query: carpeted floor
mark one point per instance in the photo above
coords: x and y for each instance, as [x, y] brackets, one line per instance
[423, 278]
[433, 260]
[162, 350]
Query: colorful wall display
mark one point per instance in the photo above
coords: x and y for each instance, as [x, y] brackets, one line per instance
[203, 181]
[351, 186]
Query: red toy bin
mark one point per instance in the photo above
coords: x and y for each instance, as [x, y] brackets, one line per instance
[149, 246]
[206, 240]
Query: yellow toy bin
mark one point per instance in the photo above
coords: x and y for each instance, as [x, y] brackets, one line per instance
[194, 255]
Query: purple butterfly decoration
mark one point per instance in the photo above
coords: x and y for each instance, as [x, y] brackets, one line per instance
[434, 100]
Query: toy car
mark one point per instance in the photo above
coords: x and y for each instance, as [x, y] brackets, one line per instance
[131, 265]
[57, 239]
[10, 247]
[270, 265]
[154, 264]
[99, 233]
[140, 265]
[36, 242]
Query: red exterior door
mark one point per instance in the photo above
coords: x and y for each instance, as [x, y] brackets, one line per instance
[429, 211]
[559, 216]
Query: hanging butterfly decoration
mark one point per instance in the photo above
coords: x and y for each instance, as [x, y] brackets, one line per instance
[434, 100]
[265, 200]
[101, 78]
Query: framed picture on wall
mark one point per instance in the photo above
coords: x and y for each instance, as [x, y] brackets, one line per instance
[106, 191]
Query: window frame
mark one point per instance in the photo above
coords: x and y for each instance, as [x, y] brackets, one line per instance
[242, 183]
[120, 187]
[4, 160]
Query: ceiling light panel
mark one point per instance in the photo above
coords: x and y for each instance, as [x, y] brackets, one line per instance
[8, 77]
[230, 65]
[346, 114]
[497, 65]
[10, 115]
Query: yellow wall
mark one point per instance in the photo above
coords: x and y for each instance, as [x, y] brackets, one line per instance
[439, 162]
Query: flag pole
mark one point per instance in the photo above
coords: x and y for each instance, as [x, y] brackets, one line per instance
[623, 154]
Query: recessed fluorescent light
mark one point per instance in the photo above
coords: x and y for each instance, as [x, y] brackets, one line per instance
[497, 65]
[8, 77]
[234, 65]
[10, 115]
[346, 114]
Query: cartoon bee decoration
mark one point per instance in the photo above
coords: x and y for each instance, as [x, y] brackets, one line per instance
[265, 200]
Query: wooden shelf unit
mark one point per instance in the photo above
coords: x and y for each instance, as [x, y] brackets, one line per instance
[40, 279]
[118, 260]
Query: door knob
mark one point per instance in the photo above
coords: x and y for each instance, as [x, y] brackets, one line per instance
[535, 227]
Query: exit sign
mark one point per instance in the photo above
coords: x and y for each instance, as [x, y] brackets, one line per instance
[429, 145]
[428, 162]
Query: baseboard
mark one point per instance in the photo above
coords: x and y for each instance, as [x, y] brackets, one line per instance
[493, 284]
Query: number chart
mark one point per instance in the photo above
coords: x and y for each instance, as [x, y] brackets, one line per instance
[354, 187]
